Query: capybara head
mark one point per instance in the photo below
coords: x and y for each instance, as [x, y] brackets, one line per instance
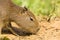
[26, 20]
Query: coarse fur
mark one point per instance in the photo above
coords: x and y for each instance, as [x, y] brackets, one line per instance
[22, 16]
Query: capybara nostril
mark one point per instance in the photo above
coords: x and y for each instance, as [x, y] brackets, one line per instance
[38, 29]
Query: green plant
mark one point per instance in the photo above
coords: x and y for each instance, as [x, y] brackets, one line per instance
[4, 38]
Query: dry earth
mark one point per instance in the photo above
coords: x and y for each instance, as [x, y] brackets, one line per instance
[48, 31]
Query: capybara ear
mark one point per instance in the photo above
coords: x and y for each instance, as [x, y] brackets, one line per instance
[25, 9]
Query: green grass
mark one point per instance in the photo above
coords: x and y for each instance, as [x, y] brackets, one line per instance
[44, 7]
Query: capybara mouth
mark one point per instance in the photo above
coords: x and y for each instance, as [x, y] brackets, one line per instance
[16, 30]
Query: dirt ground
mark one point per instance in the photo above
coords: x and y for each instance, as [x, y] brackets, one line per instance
[48, 31]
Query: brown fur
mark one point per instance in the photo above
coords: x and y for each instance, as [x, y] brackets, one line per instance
[22, 16]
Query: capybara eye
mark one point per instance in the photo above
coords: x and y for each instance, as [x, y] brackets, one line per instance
[31, 18]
